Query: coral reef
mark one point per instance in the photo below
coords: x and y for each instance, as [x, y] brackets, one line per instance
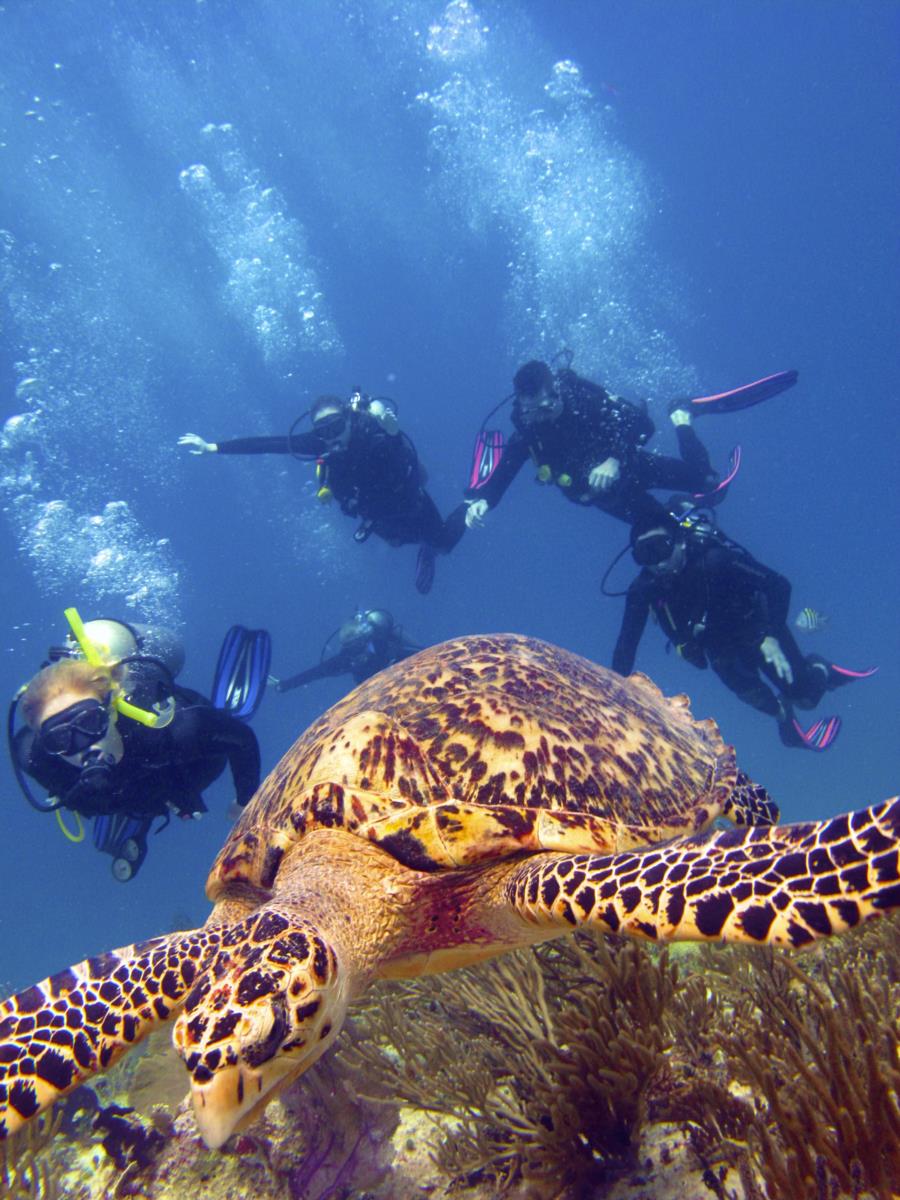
[544, 1061]
[25, 1170]
[589, 1069]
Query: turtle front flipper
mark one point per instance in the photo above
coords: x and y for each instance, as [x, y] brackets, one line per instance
[75, 1024]
[785, 885]
[272, 1001]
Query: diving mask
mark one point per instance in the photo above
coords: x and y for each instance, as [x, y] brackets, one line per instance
[331, 426]
[659, 549]
[75, 729]
[538, 406]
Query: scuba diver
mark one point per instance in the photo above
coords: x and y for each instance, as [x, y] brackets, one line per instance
[367, 643]
[111, 735]
[370, 467]
[721, 608]
[590, 444]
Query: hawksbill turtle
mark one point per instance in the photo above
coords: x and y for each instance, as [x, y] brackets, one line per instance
[488, 793]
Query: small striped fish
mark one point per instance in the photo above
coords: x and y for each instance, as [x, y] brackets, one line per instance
[808, 620]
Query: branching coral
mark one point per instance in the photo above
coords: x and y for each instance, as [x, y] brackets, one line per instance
[795, 1078]
[830, 1085]
[544, 1060]
[26, 1171]
[549, 1066]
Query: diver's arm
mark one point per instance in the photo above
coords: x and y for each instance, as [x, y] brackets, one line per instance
[777, 591]
[224, 734]
[406, 647]
[634, 621]
[300, 443]
[304, 443]
[335, 665]
[737, 584]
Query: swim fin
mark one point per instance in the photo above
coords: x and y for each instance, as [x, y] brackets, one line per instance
[741, 397]
[425, 569]
[845, 675]
[718, 493]
[239, 682]
[485, 457]
[820, 735]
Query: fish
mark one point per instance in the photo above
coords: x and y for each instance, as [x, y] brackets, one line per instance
[809, 620]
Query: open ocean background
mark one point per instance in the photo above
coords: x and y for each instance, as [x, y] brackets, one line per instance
[211, 212]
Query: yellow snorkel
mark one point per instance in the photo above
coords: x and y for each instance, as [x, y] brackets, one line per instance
[157, 718]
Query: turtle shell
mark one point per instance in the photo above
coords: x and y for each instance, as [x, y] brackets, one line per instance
[485, 747]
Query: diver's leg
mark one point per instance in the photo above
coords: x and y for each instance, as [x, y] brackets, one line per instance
[692, 450]
[741, 676]
[630, 503]
[673, 474]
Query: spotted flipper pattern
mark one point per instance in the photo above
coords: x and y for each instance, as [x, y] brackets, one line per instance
[785, 885]
[272, 1000]
[77, 1023]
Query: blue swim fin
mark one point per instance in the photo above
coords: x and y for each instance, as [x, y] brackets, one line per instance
[239, 682]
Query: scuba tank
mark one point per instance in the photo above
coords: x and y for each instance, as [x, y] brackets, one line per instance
[152, 655]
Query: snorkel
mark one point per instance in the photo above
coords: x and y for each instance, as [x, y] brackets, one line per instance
[156, 718]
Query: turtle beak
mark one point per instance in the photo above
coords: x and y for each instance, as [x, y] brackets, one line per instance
[229, 1101]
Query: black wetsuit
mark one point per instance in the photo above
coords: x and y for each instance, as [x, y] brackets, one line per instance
[716, 611]
[592, 427]
[161, 770]
[381, 650]
[376, 478]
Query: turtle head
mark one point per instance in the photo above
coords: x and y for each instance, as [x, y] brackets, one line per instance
[271, 1002]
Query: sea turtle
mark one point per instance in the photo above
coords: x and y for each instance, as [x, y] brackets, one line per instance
[488, 793]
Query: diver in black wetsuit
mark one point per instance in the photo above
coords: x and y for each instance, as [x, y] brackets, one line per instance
[370, 467]
[590, 444]
[97, 762]
[721, 608]
[367, 643]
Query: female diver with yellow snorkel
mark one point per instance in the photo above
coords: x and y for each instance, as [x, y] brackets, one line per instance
[111, 735]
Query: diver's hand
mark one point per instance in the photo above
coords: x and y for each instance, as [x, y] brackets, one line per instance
[772, 652]
[476, 512]
[603, 477]
[196, 444]
[385, 417]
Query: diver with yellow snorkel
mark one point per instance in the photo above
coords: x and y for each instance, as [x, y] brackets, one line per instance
[112, 737]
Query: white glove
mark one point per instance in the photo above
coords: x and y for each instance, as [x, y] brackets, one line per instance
[602, 478]
[197, 444]
[773, 654]
[476, 513]
[680, 416]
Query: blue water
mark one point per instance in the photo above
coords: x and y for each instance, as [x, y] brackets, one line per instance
[213, 212]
